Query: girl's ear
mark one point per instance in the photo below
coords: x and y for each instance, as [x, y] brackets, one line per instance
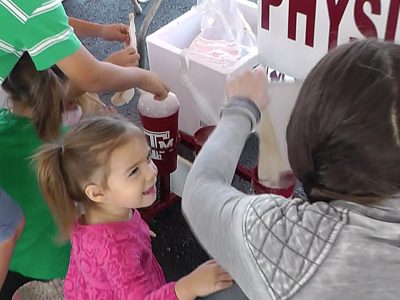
[94, 193]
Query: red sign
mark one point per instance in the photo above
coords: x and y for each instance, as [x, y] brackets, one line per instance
[312, 27]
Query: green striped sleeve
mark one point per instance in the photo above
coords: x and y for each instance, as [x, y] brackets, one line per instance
[10, 50]
[48, 37]
[9, 56]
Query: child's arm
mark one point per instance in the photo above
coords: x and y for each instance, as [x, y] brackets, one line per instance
[127, 277]
[126, 274]
[11, 225]
[207, 279]
[127, 57]
[55, 42]
[108, 32]
[95, 76]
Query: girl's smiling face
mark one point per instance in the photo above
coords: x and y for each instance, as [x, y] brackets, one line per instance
[132, 177]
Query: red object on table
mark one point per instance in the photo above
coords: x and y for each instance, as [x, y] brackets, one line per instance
[195, 143]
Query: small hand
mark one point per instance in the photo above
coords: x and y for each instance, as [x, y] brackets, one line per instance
[153, 234]
[251, 84]
[115, 32]
[127, 57]
[70, 104]
[108, 110]
[207, 279]
[151, 83]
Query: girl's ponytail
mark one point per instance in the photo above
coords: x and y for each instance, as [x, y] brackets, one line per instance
[47, 104]
[42, 91]
[65, 170]
[51, 178]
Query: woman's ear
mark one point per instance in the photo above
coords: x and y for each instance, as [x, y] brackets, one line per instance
[94, 193]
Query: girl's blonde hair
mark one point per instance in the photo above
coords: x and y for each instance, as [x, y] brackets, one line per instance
[66, 168]
[40, 90]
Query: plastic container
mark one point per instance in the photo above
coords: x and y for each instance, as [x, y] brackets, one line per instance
[160, 124]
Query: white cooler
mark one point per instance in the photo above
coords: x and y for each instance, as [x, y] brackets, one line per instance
[165, 48]
[164, 51]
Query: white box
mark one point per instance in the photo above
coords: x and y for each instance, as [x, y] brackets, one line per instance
[164, 51]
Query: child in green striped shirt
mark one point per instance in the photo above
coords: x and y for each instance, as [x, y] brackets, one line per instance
[41, 28]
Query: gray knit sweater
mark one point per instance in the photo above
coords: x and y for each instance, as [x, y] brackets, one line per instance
[276, 248]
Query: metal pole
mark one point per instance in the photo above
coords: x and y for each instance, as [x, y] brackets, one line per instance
[141, 36]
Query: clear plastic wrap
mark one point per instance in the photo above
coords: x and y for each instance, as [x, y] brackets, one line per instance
[225, 35]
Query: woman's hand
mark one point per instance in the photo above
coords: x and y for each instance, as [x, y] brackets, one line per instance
[251, 84]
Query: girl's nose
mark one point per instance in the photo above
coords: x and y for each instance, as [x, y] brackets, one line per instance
[151, 171]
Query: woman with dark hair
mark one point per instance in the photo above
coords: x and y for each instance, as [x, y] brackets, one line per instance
[344, 147]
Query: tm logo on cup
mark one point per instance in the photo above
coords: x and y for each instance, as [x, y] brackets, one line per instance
[160, 143]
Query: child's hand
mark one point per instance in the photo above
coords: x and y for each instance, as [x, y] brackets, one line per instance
[72, 94]
[108, 110]
[152, 234]
[150, 82]
[127, 57]
[70, 104]
[251, 84]
[115, 32]
[205, 280]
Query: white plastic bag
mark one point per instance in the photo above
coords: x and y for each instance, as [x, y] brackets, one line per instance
[225, 34]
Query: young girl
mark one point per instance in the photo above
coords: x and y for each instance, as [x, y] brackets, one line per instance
[344, 146]
[93, 181]
[37, 105]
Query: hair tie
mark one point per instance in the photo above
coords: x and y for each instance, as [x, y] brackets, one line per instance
[62, 149]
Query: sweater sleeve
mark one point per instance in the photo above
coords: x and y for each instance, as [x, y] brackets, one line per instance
[214, 209]
[270, 246]
[128, 278]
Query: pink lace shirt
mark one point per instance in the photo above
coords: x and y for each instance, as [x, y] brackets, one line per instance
[115, 261]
